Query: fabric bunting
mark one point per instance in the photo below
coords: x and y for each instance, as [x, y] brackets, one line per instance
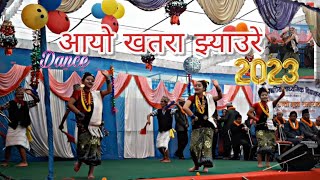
[221, 11]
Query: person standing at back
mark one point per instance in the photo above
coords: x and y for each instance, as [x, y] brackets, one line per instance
[228, 121]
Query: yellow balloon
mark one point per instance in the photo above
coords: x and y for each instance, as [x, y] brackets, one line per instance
[293, 71]
[34, 16]
[109, 7]
[272, 80]
[238, 76]
[253, 71]
[120, 11]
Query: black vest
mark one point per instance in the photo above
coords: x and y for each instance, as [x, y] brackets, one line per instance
[164, 120]
[19, 116]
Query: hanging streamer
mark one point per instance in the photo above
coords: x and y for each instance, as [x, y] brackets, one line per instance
[113, 99]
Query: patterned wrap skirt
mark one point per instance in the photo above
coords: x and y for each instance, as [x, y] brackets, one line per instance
[89, 148]
[201, 147]
[266, 141]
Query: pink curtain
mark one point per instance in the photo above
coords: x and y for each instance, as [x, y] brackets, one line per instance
[12, 79]
[153, 97]
[64, 89]
[121, 83]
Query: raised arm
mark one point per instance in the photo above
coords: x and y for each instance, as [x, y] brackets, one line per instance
[275, 102]
[216, 85]
[154, 113]
[109, 85]
[251, 115]
[35, 98]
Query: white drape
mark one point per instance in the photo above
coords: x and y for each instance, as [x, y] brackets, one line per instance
[136, 111]
[240, 103]
[62, 147]
[39, 133]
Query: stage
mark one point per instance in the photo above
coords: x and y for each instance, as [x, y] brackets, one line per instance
[130, 169]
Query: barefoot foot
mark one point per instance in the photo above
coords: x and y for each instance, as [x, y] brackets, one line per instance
[260, 165]
[4, 164]
[77, 166]
[268, 165]
[166, 161]
[205, 170]
[193, 169]
[23, 164]
[91, 176]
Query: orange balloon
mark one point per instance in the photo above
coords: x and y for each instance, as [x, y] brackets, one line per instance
[242, 27]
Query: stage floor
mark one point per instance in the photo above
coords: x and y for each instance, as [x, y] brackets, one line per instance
[127, 169]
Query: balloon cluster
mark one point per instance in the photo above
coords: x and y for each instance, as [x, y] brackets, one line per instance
[109, 11]
[240, 27]
[148, 59]
[175, 8]
[7, 38]
[35, 60]
[36, 16]
[113, 101]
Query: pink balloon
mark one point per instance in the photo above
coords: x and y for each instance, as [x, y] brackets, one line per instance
[229, 28]
[58, 22]
[112, 22]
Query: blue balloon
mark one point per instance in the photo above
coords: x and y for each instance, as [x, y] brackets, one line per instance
[97, 12]
[50, 5]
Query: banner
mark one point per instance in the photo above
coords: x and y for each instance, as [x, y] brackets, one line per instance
[303, 95]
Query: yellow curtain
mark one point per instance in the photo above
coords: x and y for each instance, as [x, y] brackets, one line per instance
[221, 11]
[313, 20]
[69, 6]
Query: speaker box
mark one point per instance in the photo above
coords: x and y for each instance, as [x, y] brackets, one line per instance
[299, 158]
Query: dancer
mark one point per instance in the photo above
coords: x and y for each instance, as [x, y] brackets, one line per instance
[87, 105]
[265, 130]
[201, 107]
[181, 128]
[165, 118]
[65, 116]
[20, 120]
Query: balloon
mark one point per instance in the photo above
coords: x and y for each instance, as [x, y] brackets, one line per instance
[97, 12]
[109, 7]
[242, 27]
[120, 11]
[112, 22]
[272, 80]
[293, 71]
[238, 76]
[253, 71]
[34, 16]
[50, 5]
[58, 22]
[229, 28]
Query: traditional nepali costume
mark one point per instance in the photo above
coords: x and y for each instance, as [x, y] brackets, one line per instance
[265, 130]
[89, 132]
[202, 131]
[165, 124]
[20, 120]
